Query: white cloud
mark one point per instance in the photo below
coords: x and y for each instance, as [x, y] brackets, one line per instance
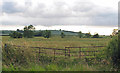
[84, 29]
[60, 12]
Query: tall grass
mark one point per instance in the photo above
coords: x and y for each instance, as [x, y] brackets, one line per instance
[26, 59]
[57, 42]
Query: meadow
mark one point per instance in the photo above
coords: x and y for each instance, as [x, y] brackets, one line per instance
[56, 41]
[48, 64]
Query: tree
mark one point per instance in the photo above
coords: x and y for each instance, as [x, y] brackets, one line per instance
[96, 35]
[62, 35]
[111, 36]
[31, 27]
[16, 35]
[80, 34]
[40, 33]
[18, 30]
[29, 31]
[115, 31]
[60, 30]
[88, 35]
[47, 34]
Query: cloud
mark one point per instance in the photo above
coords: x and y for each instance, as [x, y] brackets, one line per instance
[83, 7]
[59, 12]
[10, 7]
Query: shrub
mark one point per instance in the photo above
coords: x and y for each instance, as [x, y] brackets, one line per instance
[87, 35]
[17, 56]
[62, 35]
[40, 33]
[16, 35]
[113, 51]
[96, 36]
[80, 34]
[47, 34]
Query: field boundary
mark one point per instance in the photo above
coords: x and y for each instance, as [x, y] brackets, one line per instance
[66, 52]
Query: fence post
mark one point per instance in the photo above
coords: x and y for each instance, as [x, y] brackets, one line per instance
[94, 52]
[54, 54]
[39, 54]
[69, 52]
[79, 52]
[5, 47]
[65, 52]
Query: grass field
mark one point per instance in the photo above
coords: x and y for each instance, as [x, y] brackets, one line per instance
[56, 42]
[47, 64]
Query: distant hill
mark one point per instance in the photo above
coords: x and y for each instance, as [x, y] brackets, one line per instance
[58, 32]
[5, 32]
[53, 32]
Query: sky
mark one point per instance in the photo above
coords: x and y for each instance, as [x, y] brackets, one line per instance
[93, 16]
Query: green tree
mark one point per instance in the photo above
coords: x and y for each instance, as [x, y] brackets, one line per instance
[16, 35]
[18, 30]
[62, 35]
[96, 35]
[47, 34]
[80, 34]
[29, 31]
[39, 33]
[88, 35]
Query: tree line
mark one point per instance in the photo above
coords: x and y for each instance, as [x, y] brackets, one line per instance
[29, 32]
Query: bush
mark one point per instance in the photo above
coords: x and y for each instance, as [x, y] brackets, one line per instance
[16, 35]
[47, 34]
[113, 51]
[62, 35]
[40, 33]
[87, 35]
[80, 34]
[17, 56]
[96, 36]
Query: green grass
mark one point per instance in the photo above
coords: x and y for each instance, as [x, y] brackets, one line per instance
[56, 41]
[28, 60]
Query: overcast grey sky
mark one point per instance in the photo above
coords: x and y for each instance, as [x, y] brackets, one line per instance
[49, 13]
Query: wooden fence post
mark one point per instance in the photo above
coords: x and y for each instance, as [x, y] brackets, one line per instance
[69, 52]
[54, 53]
[39, 54]
[79, 52]
[65, 52]
[94, 52]
[5, 47]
